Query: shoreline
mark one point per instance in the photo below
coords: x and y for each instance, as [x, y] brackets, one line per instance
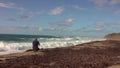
[16, 47]
[96, 54]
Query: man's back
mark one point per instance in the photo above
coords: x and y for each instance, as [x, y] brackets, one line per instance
[35, 45]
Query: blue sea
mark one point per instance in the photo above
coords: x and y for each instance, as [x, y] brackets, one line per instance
[14, 43]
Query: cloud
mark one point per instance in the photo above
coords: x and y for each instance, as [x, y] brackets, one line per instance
[66, 23]
[56, 11]
[100, 3]
[114, 2]
[61, 26]
[70, 20]
[14, 27]
[116, 23]
[7, 5]
[35, 13]
[11, 19]
[100, 27]
[83, 29]
[21, 18]
[78, 7]
[11, 6]
[25, 14]
[97, 27]
[25, 18]
[100, 24]
[40, 29]
[117, 12]
[25, 29]
[21, 27]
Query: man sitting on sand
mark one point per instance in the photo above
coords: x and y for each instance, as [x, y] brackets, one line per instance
[35, 45]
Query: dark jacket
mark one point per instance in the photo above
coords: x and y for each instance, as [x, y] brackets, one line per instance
[35, 45]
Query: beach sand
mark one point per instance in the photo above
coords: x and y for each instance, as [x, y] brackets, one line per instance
[97, 54]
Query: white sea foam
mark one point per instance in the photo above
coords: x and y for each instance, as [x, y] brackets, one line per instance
[14, 47]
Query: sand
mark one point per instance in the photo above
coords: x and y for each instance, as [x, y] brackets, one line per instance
[98, 54]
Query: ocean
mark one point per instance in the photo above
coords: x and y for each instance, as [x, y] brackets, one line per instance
[13, 43]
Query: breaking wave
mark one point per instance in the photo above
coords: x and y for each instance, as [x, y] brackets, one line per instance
[7, 47]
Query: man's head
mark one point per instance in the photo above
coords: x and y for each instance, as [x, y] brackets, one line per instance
[35, 38]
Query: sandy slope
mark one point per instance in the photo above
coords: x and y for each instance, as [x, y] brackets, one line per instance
[98, 54]
[113, 36]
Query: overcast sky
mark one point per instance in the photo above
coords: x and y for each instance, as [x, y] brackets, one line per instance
[60, 17]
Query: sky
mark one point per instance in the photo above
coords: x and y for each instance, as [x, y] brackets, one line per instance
[93, 18]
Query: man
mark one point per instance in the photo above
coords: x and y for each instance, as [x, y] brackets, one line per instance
[35, 45]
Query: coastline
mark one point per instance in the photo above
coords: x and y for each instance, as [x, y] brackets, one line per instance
[97, 54]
